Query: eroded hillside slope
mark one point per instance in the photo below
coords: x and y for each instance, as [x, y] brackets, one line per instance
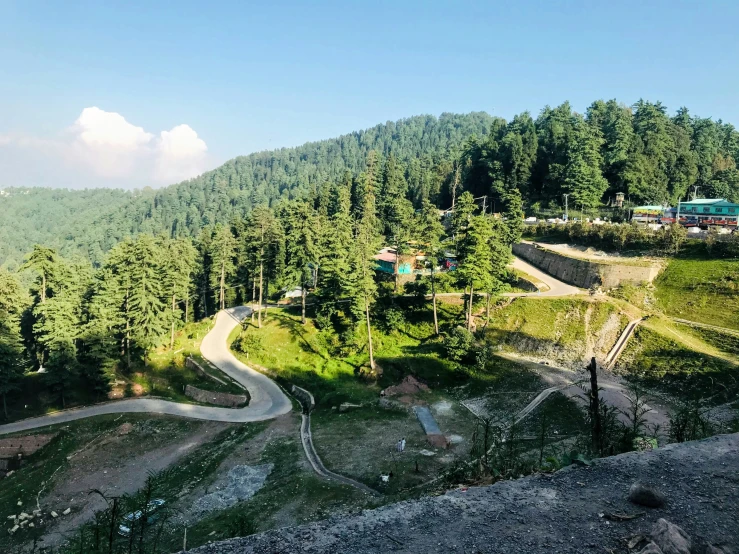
[563, 512]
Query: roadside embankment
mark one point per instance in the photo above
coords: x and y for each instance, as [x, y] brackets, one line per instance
[586, 273]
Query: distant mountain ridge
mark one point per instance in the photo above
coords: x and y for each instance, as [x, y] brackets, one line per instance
[90, 222]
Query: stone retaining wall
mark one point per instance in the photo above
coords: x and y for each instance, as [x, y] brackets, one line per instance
[217, 398]
[585, 273]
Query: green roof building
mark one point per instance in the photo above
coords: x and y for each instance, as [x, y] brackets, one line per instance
[709, 211]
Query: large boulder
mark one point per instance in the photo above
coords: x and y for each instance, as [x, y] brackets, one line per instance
[670, 538]
[646, 495]
[651, 548]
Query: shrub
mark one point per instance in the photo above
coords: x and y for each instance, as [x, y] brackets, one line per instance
[251, 343]
[393, 319]
[458, 343]
[484, 356]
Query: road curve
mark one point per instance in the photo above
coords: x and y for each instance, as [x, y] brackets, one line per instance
[556, 287]
[267, 400]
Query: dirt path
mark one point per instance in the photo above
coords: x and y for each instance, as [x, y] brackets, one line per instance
[614, 391]
[706, 326]
[267, 400]
[620, 345]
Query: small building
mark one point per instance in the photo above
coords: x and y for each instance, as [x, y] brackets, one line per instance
[619, 203]
[13, 451]
[708, 211]
[387, 259]
[647, 214]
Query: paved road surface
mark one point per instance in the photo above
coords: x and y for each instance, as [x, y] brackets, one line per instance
[556, 287]
[267, 400]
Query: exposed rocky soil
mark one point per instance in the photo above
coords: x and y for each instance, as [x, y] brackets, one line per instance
[118, 464]
[574, 510]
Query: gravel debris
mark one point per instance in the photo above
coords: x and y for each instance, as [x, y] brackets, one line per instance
[539, 514]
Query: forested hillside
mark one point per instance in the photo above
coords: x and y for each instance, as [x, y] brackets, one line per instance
[424, 145]
[640, 150]
[31, 216]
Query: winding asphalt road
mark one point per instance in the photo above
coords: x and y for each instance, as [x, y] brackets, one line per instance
[556, 287]
[267, 400]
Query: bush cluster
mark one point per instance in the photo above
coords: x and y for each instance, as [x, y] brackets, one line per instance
[631, 236]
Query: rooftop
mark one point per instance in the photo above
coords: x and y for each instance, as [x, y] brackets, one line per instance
[705, 201]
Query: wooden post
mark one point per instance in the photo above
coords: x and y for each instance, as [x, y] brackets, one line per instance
[595, 406]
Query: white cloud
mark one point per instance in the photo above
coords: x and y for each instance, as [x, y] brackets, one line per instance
[180, 154]
[97, 128]
[103, 147]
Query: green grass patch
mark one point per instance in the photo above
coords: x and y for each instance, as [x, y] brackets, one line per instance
[556, 327]
[673, 363]
[700, 289]
[167, 374]
[306, 357]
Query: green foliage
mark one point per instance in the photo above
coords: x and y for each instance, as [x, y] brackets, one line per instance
[690, 422]
[12, 303]
[702, 290]
[92, 222]
[458, 343]
[251, 344]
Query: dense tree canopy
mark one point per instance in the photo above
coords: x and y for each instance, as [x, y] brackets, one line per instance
[639, 150]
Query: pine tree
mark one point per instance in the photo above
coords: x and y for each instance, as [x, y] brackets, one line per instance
[147, 309]
[12, 303]
[59, 319]
[300, 222]
[582, 177]
[44, 261]
[222, 254]
[103, 331]
[62, 368]
[361, 286]
[430, 230]
[463, 210]
[475, 264]
[178, 266]
[264, 233]
[338, 239]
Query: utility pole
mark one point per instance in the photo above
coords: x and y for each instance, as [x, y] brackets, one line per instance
[484, 204]
[567, 216]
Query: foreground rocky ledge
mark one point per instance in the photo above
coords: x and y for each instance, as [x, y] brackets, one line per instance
[563, 512]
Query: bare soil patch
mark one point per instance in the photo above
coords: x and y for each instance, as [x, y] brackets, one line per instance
[118, 464]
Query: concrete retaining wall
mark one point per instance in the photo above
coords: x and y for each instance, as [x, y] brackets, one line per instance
[584, 273]
[218, 398]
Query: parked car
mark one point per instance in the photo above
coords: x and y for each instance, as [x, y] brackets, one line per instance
[132, 519]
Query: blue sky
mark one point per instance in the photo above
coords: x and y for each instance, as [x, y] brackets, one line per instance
[228, 78]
